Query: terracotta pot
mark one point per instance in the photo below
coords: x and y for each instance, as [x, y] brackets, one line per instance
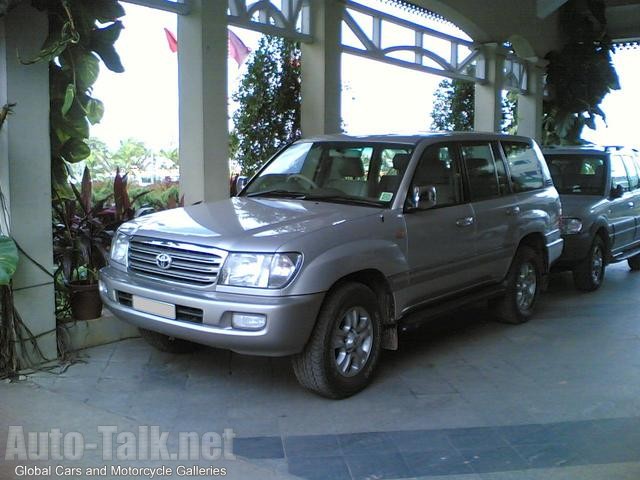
[85, 300]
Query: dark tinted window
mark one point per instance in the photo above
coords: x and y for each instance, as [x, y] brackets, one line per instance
[486, 178]
[524, 166]
[618, 173]
[579, 174]
[438, 168]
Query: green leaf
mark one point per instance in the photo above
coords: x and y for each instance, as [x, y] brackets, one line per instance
[75, 150]
[95, 110]
[107, 10]
[102, 41]
[8, 259]
[87, 70]
[69, 95]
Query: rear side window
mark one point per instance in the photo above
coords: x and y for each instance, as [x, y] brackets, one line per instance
[619, 173]
[486, 178]
[524, 166]
[632, 173]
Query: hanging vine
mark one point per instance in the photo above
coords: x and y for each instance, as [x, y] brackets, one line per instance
[80, 33]
[581, 74]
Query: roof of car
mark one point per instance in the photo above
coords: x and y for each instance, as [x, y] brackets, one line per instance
[414, 138]
[589, 149]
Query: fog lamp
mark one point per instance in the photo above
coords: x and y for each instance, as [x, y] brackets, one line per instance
[248, 321]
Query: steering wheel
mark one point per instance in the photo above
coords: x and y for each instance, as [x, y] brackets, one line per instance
[302, 179]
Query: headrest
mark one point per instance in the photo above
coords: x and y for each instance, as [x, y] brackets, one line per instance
[351, 167]
[400, 161]
[478, 164]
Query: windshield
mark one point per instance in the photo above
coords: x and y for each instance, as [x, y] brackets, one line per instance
[577, 174]
[343, 172]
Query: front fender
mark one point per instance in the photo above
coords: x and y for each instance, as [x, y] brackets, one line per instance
[375, 242]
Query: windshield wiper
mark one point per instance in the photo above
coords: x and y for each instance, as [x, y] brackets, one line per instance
[277, 193]
[344, 199]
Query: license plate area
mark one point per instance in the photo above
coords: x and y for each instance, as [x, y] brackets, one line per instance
[154, 307]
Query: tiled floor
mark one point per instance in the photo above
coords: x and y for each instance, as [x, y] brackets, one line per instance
[464, 397]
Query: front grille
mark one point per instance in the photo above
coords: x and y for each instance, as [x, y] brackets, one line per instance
[190, 264]
[185, 314]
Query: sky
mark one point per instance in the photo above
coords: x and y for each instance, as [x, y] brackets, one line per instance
[142, 102]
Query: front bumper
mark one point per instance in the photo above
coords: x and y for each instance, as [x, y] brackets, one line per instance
[576, 248]
[290, 319]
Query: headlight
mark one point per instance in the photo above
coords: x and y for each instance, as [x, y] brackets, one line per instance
[571, 226]
[120, 249]
[259, 270]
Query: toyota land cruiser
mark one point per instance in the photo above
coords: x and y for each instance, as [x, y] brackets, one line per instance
[335, 242]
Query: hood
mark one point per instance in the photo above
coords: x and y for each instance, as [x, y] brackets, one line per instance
[581, 206]
[246, 224]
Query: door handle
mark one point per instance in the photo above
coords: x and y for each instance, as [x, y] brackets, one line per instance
[513, 210]
[465, 222]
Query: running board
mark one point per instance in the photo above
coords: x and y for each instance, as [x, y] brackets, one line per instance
[431, 310]
[626, 255]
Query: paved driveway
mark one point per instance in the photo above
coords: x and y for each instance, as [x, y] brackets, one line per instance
[464, 397]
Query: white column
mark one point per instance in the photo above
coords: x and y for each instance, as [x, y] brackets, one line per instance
[488, 95]
[25, 170]
[202, 80]
[530, 109]
[321, 87]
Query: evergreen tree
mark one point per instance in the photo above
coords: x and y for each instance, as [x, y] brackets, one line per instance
[453, 108]
[269, 96]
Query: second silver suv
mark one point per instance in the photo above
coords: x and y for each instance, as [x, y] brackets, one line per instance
[600, 192]
[335, 243]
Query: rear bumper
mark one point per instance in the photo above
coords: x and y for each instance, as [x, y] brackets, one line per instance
[289, 323]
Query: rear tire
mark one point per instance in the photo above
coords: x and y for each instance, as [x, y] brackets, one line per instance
[341, 356]
[588, 275]
[168, 344]
[634, 263]
[524, 282]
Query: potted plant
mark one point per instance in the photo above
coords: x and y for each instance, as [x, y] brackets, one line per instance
[82, 234]
[80, 247]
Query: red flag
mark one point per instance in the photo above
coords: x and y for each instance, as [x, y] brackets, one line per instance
[237, 49]
[171, 39]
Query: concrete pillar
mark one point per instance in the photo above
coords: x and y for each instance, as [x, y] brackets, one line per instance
[25, 170]
[203, 113]
[321, 87]
[488, 95]
[530, 108]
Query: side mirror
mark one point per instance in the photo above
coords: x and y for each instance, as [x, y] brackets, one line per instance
[617, 191]
[240, 182]
[423, 198]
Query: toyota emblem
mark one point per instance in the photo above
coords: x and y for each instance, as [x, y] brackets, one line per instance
[163, 261]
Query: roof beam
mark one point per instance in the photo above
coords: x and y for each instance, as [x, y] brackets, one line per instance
[544, 8]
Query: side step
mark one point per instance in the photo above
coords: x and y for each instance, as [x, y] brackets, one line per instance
[435, 309]
[626, 255]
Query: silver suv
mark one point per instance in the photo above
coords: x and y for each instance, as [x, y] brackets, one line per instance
[335, 242]
[600, 192]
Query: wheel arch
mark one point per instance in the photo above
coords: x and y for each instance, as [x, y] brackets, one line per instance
[536, 241]
[378, 283]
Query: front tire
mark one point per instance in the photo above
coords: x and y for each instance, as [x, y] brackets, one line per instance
[342, 354]
[588, 275]
[168, 344]
[523, 283]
